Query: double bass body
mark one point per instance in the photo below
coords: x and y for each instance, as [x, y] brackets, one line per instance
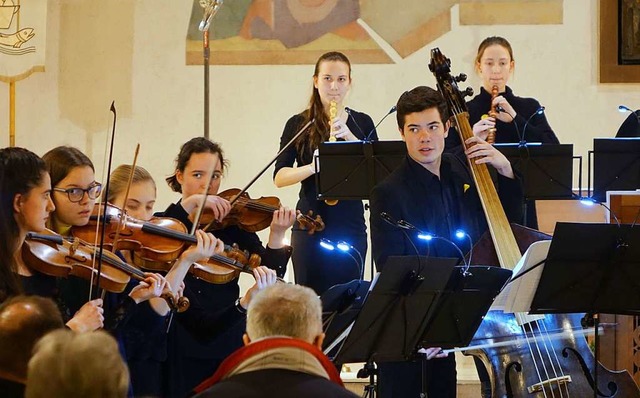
[545, 358]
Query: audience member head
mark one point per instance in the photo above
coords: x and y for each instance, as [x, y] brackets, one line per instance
[285, 310]
[68, 364]
[23, 321]
[24, 204]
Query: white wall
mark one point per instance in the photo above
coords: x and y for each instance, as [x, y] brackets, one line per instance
[556, 64]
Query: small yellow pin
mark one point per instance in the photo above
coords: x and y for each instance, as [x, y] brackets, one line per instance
[465, 187]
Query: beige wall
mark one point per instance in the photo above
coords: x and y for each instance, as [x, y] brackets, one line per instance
[161, 98]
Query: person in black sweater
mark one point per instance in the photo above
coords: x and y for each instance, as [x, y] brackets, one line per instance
[192, 354]
[436, 194]
[314, 266]
[517, 120]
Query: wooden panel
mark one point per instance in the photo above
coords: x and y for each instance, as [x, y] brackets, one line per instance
[619, 348]
[610, 71]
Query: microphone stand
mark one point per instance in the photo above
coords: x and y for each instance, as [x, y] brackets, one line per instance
[211, 7]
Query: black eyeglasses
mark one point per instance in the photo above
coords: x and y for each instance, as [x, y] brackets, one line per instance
[76, 194]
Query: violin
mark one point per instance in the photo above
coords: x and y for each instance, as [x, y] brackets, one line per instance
[561, 367]
[51, 254]
[158, 242]
[254, 215]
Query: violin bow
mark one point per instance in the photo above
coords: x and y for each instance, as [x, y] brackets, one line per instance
[200, 210]
[103, 227]
[254, 179]
[126, 197]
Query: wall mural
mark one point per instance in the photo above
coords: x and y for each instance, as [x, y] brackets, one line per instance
[259, 32]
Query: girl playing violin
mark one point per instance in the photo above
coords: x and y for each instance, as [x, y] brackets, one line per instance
[315, 267]
[147, 356]
[192, 360]
[25, 205]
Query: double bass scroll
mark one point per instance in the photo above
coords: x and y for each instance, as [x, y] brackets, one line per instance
[553, 368]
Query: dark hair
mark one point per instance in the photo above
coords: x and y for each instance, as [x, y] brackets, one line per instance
[194, 145]
[320, 129]
[491, 41]
[20, 171]
[23, 321]
[419, 99]
[61, 160]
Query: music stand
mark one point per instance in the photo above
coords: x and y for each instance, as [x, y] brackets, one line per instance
[341, 304]
[411, 295]
[616, 165]
[350, 169]
[546, 170]
[591, 268]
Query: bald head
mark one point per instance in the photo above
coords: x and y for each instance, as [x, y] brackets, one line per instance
[23, 321]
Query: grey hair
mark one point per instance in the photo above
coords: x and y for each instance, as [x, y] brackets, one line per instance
[285, 310]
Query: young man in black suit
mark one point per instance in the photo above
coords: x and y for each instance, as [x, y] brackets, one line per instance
[436, 194]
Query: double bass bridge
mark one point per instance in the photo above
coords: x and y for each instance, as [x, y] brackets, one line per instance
[556, 381]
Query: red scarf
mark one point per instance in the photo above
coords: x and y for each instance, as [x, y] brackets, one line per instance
[247, 352]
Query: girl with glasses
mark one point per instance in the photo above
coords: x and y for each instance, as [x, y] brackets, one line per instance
[25, 206]
[74, 193]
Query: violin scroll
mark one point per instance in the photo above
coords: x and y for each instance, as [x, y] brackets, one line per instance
[309, 223]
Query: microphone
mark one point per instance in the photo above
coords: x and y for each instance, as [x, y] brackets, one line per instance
[348, 110]
[624, 109]
[368, 136]
[405, 225]
[211, 8]
[538, 111]
[392, 110]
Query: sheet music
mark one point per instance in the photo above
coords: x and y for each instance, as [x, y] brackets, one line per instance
[517, 296]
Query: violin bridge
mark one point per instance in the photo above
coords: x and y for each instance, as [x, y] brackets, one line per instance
[539, 387]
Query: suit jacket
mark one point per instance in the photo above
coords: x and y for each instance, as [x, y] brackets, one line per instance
[435, 205]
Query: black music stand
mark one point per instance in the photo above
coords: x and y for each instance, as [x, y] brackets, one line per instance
[414, 295]
[350, 169]
[616, 166]
[591, 268]
[341, 304]
[546, 170]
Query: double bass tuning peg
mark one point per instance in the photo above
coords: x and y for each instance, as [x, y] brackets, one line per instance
[468, 92]
[460, 78]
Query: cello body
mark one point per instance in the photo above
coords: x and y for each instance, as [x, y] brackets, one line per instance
[525, 356]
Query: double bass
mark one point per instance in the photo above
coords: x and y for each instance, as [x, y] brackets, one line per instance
[535, 364]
